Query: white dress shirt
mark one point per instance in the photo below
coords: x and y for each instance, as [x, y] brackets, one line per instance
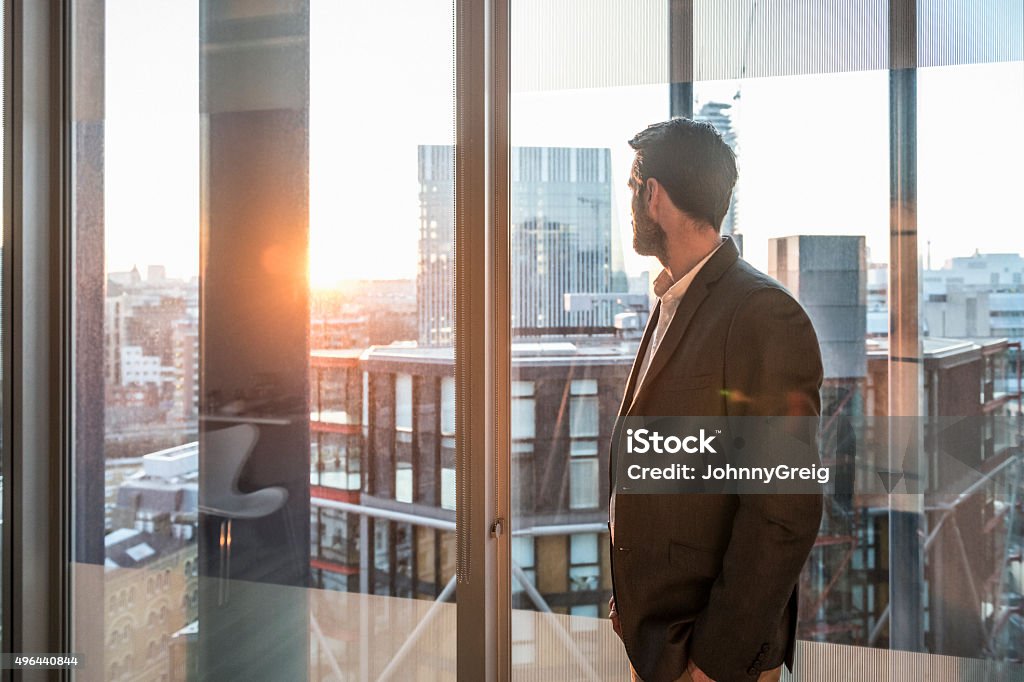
[671, 294]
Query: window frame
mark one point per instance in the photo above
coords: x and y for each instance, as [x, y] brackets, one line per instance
[37, 383]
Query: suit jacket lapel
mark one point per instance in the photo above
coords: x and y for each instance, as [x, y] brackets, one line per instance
[716, 266]
[645, 341]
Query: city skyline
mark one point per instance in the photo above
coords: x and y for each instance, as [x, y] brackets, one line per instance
[348, 283]
[819, 142]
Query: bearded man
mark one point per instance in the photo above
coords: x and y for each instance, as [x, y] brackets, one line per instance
[705, 585]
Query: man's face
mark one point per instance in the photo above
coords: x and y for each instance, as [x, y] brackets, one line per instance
[648, 237]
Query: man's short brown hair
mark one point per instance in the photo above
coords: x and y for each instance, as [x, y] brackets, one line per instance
[692, 162]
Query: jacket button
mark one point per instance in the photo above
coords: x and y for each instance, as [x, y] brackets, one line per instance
[751, 670]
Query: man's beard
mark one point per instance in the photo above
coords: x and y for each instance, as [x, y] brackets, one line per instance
[648, 237]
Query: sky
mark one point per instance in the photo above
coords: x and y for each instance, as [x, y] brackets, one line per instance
[813, 150]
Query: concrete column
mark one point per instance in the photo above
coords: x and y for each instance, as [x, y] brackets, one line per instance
[906, 519]
[680, 65]
[254, 318]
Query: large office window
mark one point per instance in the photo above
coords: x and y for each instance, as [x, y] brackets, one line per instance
[881, 210]
[262, 414]
[263, 309]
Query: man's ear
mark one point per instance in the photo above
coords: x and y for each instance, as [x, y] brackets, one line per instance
[655, 195]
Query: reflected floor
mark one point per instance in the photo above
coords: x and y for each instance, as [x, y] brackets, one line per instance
[352, 636]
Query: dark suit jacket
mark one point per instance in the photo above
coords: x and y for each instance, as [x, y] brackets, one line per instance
[713, 577]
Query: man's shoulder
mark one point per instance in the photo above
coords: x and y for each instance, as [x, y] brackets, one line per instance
[755, 298]
[743, 279]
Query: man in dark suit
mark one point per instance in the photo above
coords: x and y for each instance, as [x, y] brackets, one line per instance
[705, 585]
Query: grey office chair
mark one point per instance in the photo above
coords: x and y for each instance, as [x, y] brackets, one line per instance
[225, 453]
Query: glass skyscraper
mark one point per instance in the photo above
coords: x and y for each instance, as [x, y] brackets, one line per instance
[562, 241]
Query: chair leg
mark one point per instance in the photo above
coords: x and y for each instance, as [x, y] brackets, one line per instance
[224, 573]
[222, 542]
[293, 545]
[227, 570]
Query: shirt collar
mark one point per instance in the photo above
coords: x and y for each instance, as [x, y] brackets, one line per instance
[668, 290]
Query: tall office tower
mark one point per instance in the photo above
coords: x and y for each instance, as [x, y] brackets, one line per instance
[561, 241]
[435, 275]
[718, 115]
[828, 276]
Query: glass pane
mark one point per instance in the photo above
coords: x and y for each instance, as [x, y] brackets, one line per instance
[264, 355]
[403, 402]
[824, 262]
[583, 549]
[811, 209]
[583, 448]
[578, 306]
[522, 552]
[524, 418]
[522, 389]
[584, 387]
[971, 305]
[583, 483]
[894, 226]
[583, 412]
[447, 405]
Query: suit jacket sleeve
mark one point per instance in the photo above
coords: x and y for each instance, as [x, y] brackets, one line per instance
[773, 368]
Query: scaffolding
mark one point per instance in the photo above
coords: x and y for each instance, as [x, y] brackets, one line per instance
[844, 585]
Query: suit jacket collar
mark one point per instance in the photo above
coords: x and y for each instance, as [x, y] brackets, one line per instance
[712, 271]
[645, 341]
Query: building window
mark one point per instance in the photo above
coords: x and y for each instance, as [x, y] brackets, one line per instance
[583, 409]
[381, 557]
[522, 475]
[364, 415]
[524, 556]
[448, 406]
[583, 474]
[584, 566]
[586, 618]
[404, 559]
[403, 402]
[447, 442]
[524, 421]
[403, 438]
[583, 447]
[523, 430]
[338, 538]
[448, 472]
[337, 458]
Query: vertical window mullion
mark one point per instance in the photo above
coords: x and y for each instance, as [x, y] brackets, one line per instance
[482, 339]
